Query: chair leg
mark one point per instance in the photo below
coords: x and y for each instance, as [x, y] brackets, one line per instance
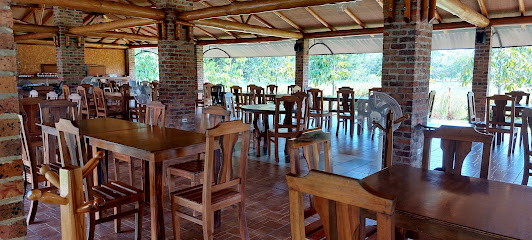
[117, 168]
[526, 175]
[138, 220]
[276, 148]
[170, 181]
[118, 221]
[269, 144]
[32, 212]
[176, 221]
[337, 126]
[131, 172]
[242, 221]
[92, 224]
[208, 225]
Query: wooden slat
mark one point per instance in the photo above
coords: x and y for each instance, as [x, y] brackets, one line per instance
[522, 8]
[355, 18]
[320, 19]
[287, 20]
[483, 8]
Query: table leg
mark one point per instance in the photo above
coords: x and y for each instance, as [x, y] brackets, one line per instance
[156, 200]
[46, 148]
[217, 167]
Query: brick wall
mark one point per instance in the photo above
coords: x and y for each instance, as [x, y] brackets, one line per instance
[405, 76]
[177, 69]
[131, 63]
[481, 72]
[302, 63]
[199, 67]
[70, 59]
[12, 224]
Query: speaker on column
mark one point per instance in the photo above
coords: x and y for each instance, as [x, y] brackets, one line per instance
[480, 37]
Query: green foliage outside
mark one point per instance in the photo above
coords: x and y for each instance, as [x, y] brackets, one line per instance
[146, 66]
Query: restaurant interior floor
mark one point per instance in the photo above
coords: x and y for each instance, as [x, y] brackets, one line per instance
[267, 206]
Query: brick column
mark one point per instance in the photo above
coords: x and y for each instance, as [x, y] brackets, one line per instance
[70, 57]
[131, 63]
[302, 62]
[12, 224]
[405, 76]
[177, 67]
[199, 67]
[481, 71]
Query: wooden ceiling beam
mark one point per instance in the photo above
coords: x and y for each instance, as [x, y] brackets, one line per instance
[320, 19]
[27, 16]
[522, 8]
[457, 8]
[207, 32]
[206, 4]
[355, 18]
[249, 7]
[483, 8]
[242, 40]
[32, 28]
[102, 27]
[87, 44]
[242, 27]
[47, 17]
[129, 36]
[34, 36]
[88, 18]
[102, 6]
[287, 20]
[268, 25]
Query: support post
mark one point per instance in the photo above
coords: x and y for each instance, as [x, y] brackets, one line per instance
[481, 70]
[199, 67]
[302, 62]
[70, 49]
[131, 63]
[405, 75]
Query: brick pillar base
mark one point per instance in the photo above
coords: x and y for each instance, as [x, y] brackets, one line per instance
[405, 76]
[12, 220]
[131, 63]
[177, 68]
[199, 67]
[70, 57]
[481, 72]
[302, 63]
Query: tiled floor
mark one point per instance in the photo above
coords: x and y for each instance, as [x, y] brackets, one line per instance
[267, 205]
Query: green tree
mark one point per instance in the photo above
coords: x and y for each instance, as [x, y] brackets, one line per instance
[511, 68]
[146, 65]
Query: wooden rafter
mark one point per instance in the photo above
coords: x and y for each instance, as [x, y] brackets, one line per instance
[206, 4]
[320, 19]
[380, 2]
[483, 8]
[88, 19]
[47, 17]
[247, 28]
[354, 17]
[101, 40]
[262, 21]
[28, 16]
[466, 13]
[287, 20]
[207, 32]
[522, 8]
[438, 16]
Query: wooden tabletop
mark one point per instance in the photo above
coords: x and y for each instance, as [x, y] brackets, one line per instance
[261, 108]
[471, 204]
[99, 125]
[335, 98]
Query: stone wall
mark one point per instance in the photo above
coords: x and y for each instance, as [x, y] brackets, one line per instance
[70, 57]
[481, 72]
[12, 224]
[302, 63]
[199, 67]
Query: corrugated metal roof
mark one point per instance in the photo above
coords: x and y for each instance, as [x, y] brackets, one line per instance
[510, 36]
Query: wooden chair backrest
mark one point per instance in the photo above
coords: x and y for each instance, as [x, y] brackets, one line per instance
[498, 113]
[346, 101]
[71, 146]
[471, 108]
[218, 91]
[519, 95]
[207, 91]
[258, 96]
[272, 89]
[292, 116]
[374, 90]
[291, 89]
[155, 114]
[305, 107]
[28, 154]
[52, 96]
[99, 102]
[30, 110]
[315, 100]
[212, 115]
[525, 130]
[66, 91]
[227, 133]
[432, 95]
[456, 143]
[52, 111]
[84, 102]
[311, 142]
[250, 88]
[113, 86]
[339, 200]
[34, 94]
[125, 90]
[229, 104]
[237, 93]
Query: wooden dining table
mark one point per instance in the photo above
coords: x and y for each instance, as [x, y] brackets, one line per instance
[261, 111]
[152, 144]
[124, 100]
[448, 206]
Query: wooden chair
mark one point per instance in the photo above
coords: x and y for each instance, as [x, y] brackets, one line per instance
[239, 100]
[155, 115]
[456, 143]
[52, 96]
[346, 111]
[339, 202]
[137, 112]
[52, 111]
[229, 104]
[271, 90]
[34, 94]
[310, 141]
[218, 91]
[250, 88]
[85, 109]
[497, 124]
[287, 123]
[519, 96]
[290, 89]
[527, 124]
[228, 191]
[102, 108]
[29, 108]
[66, 92]
[110, 195]
[31, 169]
[372, 90]
[472, 112]
[305, 109]
[432, 95]
[193, 170]
[207, 94]
[316, 111]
